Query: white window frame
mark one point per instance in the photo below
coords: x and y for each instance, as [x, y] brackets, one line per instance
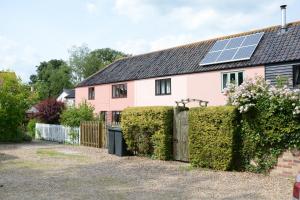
[228, 78]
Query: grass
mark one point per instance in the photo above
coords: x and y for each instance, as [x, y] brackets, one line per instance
[56, 154]
[25, 164]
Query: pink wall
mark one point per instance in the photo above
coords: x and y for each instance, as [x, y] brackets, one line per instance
[103, 97]
[207, 86]
[145, 92]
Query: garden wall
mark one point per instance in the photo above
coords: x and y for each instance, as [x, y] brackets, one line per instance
[288, 164]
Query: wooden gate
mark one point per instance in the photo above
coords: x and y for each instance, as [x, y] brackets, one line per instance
[180, 135]
[91, 134]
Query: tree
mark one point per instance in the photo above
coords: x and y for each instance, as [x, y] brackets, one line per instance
[85, 62]
[51, 78]
[49, 111]
[15, 99]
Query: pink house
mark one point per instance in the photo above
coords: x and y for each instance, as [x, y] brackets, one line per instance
[199, 70]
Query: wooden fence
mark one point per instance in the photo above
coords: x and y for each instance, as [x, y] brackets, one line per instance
[93, 134]
[57, 133]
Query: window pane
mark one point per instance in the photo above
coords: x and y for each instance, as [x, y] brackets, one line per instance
[232, 78]
[225, 79]
[168, 86]
[163, 86]
[157, 87]
[240, 78]
[113, 91]
[91, 93]
[125, 90]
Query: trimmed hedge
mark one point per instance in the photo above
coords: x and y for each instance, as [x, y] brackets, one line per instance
[148, 130]
[213, 137]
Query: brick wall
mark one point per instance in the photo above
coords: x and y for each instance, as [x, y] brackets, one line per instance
[288, 164]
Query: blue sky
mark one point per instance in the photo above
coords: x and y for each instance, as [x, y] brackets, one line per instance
[33, 31]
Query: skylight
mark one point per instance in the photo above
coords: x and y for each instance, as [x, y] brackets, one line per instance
[233, 49]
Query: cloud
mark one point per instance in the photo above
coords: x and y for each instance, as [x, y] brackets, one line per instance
[17, 57]
[91, 7]
[134, 47]
[138, 46]
[135, 10]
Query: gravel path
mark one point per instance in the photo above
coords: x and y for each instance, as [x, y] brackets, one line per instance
[42, 170]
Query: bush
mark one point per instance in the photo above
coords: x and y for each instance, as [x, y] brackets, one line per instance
[213, 137]
[31, 127]
[49, 111]
[270, 121]
[148, 130]
[15, 99]
[74, 115]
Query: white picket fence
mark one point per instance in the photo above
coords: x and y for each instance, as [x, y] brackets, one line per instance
[57, 133]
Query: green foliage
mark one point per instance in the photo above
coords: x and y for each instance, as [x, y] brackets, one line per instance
[85, 62]
[267, 133]
[52, 77]
[213, 137]
[74, 115]
[31, 127]
[148, 130]
[15, 99]
[270, 121]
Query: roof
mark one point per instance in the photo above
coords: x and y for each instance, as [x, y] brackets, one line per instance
[71, 93]
[274, 47]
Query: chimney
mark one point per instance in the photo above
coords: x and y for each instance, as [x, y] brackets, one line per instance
[283, 18]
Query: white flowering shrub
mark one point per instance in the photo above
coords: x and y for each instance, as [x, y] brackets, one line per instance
[251, 91]
[270, 121]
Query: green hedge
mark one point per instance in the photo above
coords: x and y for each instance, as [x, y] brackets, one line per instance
[266, 135]
[213, 137]
[148, 131]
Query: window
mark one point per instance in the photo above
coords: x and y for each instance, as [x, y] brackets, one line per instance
[236, 78]
[119, 91]
[116, 116]
[296, 76]
[91, 93]
[163, 86]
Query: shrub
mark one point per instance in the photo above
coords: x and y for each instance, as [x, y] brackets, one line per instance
[148, 130]
[213, 137]
[15, 99]
[74, 115]
[31, 127]
[49, 111]
[270, 121]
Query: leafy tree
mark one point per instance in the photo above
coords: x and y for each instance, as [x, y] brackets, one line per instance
[51, 78]
[15, 99]
[49, 111]
[85, 62]
[74, 115]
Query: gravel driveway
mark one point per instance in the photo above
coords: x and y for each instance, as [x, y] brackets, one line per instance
[42, 170]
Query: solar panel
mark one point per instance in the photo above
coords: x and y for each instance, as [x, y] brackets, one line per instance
[234, 49]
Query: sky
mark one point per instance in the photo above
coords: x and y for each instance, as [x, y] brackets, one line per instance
[34, 31]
